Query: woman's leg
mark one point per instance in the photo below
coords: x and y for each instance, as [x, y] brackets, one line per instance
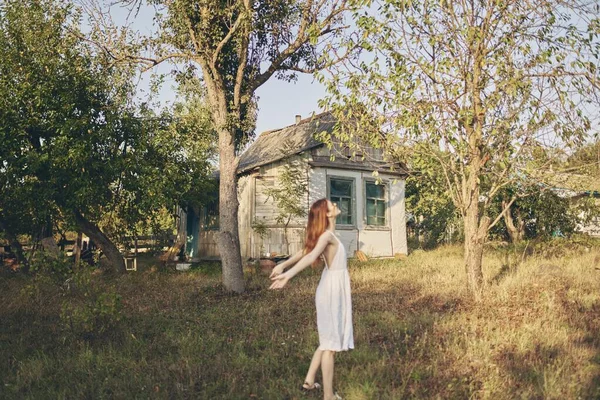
[315, 363]
[327, 369]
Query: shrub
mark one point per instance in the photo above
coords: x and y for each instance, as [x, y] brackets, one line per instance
[57, 268]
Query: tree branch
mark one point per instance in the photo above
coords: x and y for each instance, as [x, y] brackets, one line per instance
[302, 37]
[227, 38]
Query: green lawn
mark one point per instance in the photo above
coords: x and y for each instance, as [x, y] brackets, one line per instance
[536, 335]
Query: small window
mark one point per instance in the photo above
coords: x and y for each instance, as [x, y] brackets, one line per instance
[210, 216]
[341, 192]
[376, 204]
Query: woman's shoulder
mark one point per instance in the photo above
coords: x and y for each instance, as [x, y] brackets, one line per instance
[329, 235]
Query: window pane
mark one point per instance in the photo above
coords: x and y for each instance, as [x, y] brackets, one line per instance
[376, 206]
[371, 210]
[340, 188]
[342, 220]
[376, 191]
[345, 206]
[381, 209]
[340, 192]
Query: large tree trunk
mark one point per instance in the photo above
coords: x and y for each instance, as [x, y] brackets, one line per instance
[475, 235]
[475, 226]
[229, 238]
[111, 252]
[15, 246]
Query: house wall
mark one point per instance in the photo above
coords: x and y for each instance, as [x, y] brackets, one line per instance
[265, 212]
[373, 241]
[257, 207]
[207, 238]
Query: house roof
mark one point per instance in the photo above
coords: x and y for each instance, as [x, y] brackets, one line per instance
[277, 144]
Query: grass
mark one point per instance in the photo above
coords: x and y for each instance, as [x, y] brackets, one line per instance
[417, 333]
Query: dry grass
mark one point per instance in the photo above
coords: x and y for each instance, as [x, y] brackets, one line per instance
[417, 334]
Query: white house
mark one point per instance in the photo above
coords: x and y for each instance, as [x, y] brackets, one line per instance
[373, 218]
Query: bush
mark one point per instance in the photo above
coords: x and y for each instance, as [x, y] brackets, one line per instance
[48, 273]
[57, 268]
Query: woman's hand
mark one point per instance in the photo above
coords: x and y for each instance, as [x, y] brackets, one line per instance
[279, 281]
[277, 270]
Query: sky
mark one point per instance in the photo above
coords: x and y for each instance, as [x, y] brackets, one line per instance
[279, 101]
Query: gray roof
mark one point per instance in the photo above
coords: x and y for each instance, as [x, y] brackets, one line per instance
[275, 145]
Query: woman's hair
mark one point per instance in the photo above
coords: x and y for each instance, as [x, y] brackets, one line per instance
[317, 224]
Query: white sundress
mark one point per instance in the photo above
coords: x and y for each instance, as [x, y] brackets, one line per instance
[334, 304]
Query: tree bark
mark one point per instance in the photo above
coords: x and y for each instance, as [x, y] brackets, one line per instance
[229, 238]
[475, 226]
[475, 235]
[111, 252]
[515, 233]
[16, 246]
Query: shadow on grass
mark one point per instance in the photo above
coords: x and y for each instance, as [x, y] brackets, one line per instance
[526, 368]
[586, 320]
[397, 354]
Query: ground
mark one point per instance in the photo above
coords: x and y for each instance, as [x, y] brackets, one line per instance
[160, 333]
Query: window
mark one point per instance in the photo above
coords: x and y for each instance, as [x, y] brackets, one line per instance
[376, 204]
[341, 192]
[210, 216]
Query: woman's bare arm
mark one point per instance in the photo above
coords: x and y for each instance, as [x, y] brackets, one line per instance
[279, 268]
[308, 259]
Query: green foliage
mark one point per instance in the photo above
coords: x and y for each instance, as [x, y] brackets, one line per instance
[542, 213]
[260, 228]
[427, 200]
[231, 48]
[289, 192]
[438, 74]
[482, 83]
[586, 160]
[74, 138]
[558, 247]
[58, 268]
[50, 272]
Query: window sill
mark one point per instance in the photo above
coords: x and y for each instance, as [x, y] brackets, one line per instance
[345, 228]
[376, 228]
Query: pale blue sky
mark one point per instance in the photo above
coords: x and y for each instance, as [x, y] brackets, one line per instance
[279, 101]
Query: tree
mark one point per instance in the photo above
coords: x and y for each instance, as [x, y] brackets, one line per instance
[536, 212]
[238, 45]
[585, 160]
[76, 149]
[55, 116]
[483, 81]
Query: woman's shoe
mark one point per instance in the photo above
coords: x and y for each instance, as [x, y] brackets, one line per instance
[307, 387]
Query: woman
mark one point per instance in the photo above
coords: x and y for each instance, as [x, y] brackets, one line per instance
[334, 305]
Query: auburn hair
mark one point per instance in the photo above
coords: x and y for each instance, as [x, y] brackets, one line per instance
[317, 224]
